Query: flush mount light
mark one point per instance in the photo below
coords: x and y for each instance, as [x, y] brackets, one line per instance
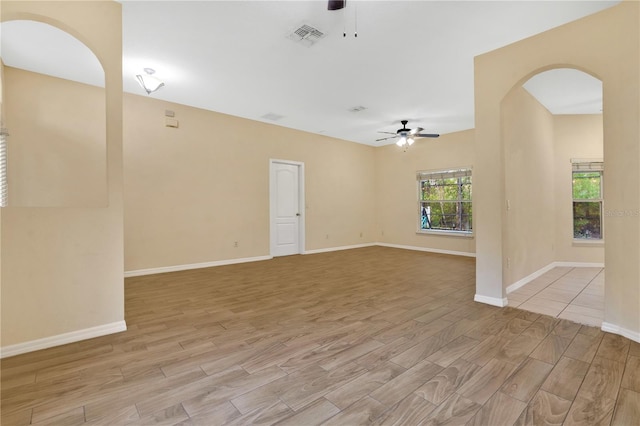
[148, 82]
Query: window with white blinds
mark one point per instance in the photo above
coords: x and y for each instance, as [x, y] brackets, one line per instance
[444, 200]
[586, 181]
[3, 168]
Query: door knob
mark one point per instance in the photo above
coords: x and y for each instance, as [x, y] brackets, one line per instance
[297, 214]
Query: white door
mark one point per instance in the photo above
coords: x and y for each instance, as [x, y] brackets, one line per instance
[286, 208]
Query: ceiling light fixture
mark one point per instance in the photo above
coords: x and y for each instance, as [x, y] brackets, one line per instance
[148, 82]
[405, 142]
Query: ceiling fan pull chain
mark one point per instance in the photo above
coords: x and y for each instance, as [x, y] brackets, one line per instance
[344, 22]
[355, 33]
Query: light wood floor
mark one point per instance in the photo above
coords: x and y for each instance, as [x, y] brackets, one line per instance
[367, 336]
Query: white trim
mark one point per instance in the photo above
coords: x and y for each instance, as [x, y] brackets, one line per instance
[585, 242]
[328, 249]
[579, 264]
[301, 205]
[445, 233]
[62, 339]
[186, 267]
[629, 334]
[163, 269]
[494, 301]
[427, 249]
[521, 282]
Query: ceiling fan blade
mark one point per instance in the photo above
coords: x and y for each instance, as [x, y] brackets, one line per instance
[416, 130]
[427, 135]
[384, 139]
[389, 133]
[336, 4]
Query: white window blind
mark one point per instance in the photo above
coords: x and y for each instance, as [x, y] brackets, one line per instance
[443, 174]
[587, 165]
[3, 168]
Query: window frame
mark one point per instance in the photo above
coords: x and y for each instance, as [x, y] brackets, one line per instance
[458, 172]
[588, 166]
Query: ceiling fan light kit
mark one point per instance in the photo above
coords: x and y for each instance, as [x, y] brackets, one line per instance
[407, 136]
[403, 141]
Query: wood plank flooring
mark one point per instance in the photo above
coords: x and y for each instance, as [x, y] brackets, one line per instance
[366, 336]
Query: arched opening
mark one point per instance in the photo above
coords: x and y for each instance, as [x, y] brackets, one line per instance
[599, 45]
[54, 112]
[553, 227]
[62, 264]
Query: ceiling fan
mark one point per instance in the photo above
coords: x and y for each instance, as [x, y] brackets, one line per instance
[407, 136]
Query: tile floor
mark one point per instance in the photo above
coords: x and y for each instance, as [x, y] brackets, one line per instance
[576, 294]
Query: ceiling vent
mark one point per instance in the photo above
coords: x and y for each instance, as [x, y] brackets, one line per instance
[357, 108]
[306, 35]
[272, 116]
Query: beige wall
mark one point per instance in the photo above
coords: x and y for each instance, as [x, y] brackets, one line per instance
[607, 45]
[1, 209]
[62, 267]
[576, 136]
[397, 191]
[191, 192]
[57, 148]
[529, 185]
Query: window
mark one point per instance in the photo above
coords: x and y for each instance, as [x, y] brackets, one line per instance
[3, 168]
[444, 201]
[587, 200]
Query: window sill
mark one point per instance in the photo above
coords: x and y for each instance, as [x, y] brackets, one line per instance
[458, 234]
[587, 243]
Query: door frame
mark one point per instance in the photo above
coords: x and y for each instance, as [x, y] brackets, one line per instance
[272, 205]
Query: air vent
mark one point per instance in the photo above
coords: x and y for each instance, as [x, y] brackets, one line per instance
[272, 116]
[357, 108]
[306, 35]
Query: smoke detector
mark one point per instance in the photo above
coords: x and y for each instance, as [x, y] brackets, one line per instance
[306, 35]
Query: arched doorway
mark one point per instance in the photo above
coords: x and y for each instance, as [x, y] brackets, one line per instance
[553, 176]
[606, 45]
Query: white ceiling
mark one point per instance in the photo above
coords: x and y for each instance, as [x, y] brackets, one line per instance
[567, 91]
[411, 60]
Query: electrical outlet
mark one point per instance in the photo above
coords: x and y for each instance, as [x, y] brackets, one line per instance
[508, 263]
[361, 235]
[235, 244]
[327, 236]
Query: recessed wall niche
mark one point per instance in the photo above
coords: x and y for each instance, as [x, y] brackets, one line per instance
[54, 111]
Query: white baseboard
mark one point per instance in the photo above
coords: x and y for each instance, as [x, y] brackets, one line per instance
[494, 301]
[62, 339]
[163, 269]
[578, 264]
[328, 249]
[615, 329]
[427, 249]
[513, 287]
